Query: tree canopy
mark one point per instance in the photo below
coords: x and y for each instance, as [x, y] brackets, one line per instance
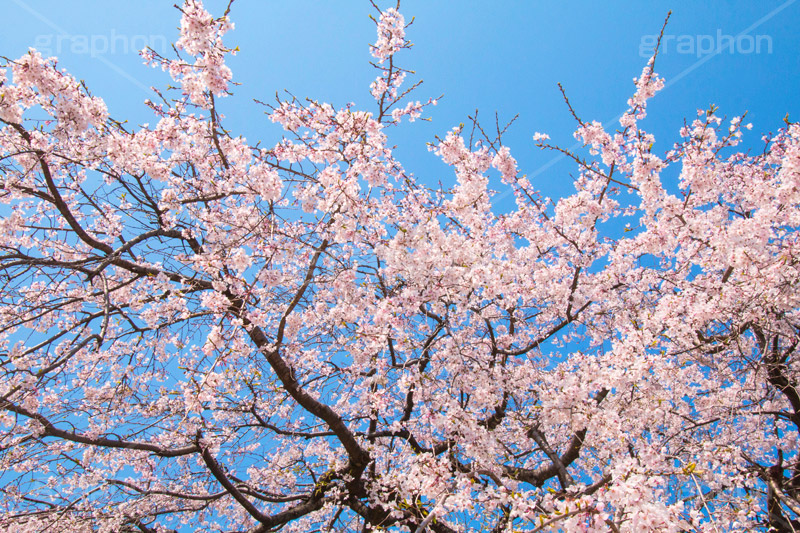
[198, 333]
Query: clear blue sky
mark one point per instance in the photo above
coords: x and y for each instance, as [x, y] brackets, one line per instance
[504, 56]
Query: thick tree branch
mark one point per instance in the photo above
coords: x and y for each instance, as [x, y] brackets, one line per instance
[49, 430]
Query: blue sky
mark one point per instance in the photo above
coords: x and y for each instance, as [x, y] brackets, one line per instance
[504, 56]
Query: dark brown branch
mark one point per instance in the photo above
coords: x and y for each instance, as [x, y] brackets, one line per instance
[539, 476]
[218, 473]
[49, 430]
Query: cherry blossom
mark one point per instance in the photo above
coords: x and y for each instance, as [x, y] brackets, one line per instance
[200, 333]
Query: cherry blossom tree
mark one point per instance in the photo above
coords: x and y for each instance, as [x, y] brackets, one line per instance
[201, 334]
